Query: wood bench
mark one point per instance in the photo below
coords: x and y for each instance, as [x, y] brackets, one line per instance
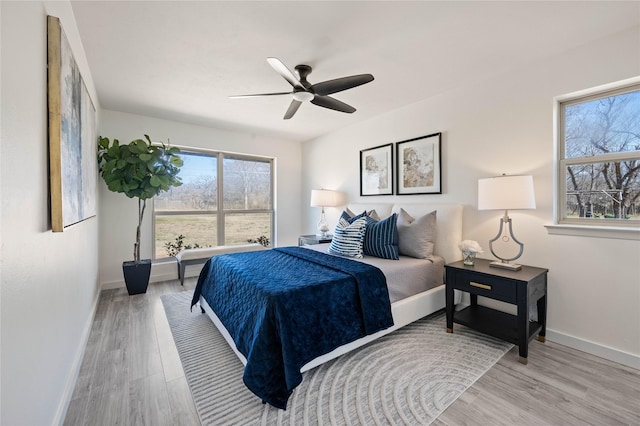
[200, 255]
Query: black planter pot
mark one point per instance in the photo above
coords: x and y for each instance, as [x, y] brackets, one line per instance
[136, 275]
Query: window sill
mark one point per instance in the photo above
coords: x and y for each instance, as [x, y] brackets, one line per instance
[595, 231]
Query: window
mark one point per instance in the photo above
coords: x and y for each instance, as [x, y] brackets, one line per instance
[599, 158]
[225, 199]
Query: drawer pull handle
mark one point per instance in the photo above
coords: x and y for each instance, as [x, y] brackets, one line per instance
[484, 286]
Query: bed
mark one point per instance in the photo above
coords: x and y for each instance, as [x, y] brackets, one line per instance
[336, 305]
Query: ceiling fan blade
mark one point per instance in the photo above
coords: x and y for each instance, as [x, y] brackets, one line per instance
[339, 84]
[293, 107]
[331, 103]
[259, 94]
[285, 72]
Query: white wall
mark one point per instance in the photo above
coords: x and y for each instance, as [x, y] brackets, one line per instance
[118, 214]
[500, 125]
[49, 281]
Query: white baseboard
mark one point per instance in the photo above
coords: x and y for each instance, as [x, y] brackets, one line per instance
[63, 406]
[611, 354]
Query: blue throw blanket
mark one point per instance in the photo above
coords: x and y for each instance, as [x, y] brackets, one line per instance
[286, 306]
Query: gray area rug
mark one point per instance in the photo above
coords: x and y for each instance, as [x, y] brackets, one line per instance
[408, 377]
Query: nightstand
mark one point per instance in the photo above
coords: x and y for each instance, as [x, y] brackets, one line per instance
[308, 240]
[522, 288]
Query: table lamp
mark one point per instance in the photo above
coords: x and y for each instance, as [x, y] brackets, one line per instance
[506, 193]
[323, 198]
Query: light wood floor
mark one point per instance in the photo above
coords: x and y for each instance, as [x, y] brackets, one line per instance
[131, 375]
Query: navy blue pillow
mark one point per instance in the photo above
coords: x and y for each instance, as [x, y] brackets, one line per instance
[381, 238]
[346, 216]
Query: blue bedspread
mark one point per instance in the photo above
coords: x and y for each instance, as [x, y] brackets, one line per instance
[286, 306]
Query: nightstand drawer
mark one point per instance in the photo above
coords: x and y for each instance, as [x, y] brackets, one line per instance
[492, 287]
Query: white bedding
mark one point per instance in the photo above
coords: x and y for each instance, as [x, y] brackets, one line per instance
[405, 277]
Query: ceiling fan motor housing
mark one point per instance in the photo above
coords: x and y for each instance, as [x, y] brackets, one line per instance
[303, 72]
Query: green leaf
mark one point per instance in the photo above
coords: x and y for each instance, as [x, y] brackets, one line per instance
[114, 151]
[109, 165]
[138, 146]
[103, 142]
[115, 185]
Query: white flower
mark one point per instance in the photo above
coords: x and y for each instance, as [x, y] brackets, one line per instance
[470, 245]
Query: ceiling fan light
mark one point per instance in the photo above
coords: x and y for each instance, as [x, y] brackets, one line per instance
[303, 96]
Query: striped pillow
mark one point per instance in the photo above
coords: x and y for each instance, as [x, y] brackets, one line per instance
[381, 238]
[348, 237]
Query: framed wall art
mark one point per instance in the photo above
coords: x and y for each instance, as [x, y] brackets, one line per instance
[376, 170]
[72, 135]
[419, 165]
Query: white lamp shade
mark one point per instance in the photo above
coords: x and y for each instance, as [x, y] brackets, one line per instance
[506, 193]
[324, 198]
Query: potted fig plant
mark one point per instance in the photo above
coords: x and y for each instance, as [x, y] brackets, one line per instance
[139, 170]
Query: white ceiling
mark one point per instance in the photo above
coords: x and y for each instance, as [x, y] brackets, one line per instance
[181, 60]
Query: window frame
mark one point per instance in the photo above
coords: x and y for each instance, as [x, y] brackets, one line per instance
[220, 212]
[609, 228]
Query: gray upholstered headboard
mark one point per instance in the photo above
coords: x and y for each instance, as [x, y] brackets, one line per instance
[448, 222]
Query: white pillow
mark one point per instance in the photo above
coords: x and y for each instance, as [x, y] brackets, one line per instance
[416, 236]
[348, 237]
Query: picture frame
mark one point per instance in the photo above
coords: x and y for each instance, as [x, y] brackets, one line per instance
[419, 165]
[376, 170]
[73, 165]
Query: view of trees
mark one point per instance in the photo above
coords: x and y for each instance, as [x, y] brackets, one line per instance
[192, 209]
[602, 152]
[247, 184]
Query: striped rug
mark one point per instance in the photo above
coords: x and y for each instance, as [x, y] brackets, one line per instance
[407, 377]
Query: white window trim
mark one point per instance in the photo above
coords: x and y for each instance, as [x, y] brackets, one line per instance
[565, 227]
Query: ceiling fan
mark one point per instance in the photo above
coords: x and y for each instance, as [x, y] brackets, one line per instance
[317, 94]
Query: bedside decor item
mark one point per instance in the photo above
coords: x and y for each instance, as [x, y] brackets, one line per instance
[72, 134]
[419, 165]
[376, 170]
[323, 198]
[138, 170]
[506, 193]
[469, 249]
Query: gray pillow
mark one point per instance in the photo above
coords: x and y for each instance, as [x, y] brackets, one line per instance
[416, 236]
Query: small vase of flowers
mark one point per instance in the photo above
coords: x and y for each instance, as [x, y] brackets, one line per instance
[469, 249]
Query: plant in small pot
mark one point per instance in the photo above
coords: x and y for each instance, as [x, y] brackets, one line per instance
[139, 170]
